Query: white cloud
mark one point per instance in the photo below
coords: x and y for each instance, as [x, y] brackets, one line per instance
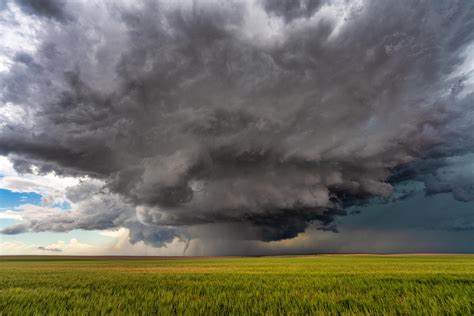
[30, 212]
[11, 215]
[18, 32]
[6, 167]
[50, 186]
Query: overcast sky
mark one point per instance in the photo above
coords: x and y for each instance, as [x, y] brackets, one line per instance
[236, 127]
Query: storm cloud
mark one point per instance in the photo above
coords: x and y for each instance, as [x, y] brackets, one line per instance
[246, 120]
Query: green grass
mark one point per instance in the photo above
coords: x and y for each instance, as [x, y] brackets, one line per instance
[391, 285]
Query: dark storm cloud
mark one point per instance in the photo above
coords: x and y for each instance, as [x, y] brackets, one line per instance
[452, 172]
[16, 229]
[47, 8]
[249, 119]
[292, 9]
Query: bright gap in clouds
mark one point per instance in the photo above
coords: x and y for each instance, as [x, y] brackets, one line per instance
[10, 199]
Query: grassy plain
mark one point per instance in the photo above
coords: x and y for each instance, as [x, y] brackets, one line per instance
[317, 285]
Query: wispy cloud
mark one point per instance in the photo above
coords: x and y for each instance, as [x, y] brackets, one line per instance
[49, 249]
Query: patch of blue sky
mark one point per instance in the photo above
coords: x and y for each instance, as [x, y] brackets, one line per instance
[9, 199]
[4, 222]
[64, 205]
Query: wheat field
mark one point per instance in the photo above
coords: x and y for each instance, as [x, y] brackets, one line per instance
[300, 285]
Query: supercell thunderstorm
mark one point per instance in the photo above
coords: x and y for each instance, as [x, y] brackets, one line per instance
[252, 119]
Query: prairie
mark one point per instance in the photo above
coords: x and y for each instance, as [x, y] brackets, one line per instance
[298, 285]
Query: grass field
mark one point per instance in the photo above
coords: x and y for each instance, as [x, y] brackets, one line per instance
[393, 285]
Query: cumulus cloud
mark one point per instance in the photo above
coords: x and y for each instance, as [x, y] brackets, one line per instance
[93, 208]
[242, 119]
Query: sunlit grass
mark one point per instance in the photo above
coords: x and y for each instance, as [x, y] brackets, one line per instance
[409, 285]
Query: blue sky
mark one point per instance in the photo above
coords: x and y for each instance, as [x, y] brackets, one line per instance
[10, 200]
